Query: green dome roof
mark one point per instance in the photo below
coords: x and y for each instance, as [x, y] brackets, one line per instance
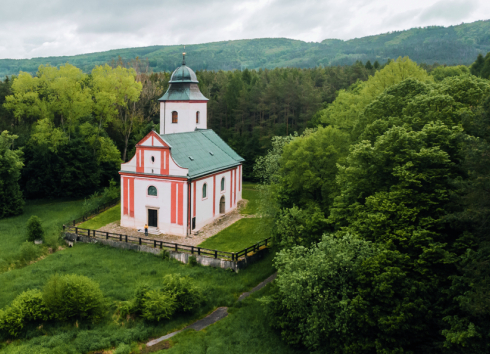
[183, 74]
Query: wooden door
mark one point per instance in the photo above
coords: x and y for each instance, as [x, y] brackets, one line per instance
[152, 217]
[222, 205]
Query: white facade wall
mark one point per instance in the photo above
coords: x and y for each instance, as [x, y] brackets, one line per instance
[161, 203]
[186, 116]
[204, 206]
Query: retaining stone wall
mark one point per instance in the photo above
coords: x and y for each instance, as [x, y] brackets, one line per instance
[180, 256]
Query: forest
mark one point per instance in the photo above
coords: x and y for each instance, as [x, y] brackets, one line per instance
[381, 216]
[445, 45]
[374, 184]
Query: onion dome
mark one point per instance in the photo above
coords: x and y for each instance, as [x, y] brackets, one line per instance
[183, 85]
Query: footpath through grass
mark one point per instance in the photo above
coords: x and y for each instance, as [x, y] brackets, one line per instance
[245, 330]
[118, 272]
[52, 213]
[110, 215]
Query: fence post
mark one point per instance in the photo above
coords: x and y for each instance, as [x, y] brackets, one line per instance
[63, 227]
[120, 237]
[199, 251]
[88, 233]
[126, 238]
[160, 244]
[192, 249]
[73, 222]
[233, 256]
[76, 230]
[266, 242]
[176, 247]
[155, 243]
[215, 253]
[106, 235]
[140, 241]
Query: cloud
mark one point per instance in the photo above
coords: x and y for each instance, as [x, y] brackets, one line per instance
[31, 28]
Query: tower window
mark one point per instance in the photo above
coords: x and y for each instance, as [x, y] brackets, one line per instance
[223, 184]
[175, 117]
[204, 187]
[152, 190]
[197, 117]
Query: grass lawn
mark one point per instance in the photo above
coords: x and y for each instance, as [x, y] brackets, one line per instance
[110, 215]
[118, 272]
[242, 234]
[52, 213]
[251, 194]
[245, 330]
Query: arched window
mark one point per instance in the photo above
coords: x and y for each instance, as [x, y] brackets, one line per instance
[152, 190]
[223, 184]
[204, 187]
[175, 117]
[197, 117]
[153, 159]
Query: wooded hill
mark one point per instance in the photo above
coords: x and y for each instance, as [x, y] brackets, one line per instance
[445, 45]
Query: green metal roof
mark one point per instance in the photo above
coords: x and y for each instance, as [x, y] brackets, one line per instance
[183, 92]
[183, 74]
[201, 151]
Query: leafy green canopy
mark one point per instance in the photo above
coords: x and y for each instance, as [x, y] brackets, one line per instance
[11, 202]
[397, 191]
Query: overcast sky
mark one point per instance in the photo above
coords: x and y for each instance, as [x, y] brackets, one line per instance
[38, 28]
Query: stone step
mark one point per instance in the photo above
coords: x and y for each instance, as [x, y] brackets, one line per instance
[151, 231]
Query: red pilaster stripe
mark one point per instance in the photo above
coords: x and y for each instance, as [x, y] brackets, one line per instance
[231, 188]
[173, 207]
[214, 195]
[180, 193]
[234, 197]
[125, 195]
[140, 160]
[240, 178]
[131, 197]
[194, 193]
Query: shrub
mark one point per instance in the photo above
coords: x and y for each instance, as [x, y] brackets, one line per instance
[158, 305]
[34, 229]
[192, 261]
[187, 295]
[109, 194]
[29, 252]
[74, 296]
[123, 349]
[27, 307]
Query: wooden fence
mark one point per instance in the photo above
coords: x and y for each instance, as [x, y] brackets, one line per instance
[169, 246]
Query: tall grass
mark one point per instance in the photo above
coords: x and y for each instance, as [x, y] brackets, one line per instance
[245, 330]
[53, 214]
[118, 272]
[110, 215]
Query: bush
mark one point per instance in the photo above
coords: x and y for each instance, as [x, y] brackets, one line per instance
[123, 349]
[27, 307]
[29, 252]
[192, 261]
[34, 229]
[74, 296]
[158, 305]
[187, 295]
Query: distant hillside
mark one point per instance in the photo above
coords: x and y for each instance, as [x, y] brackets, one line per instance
[445, 45]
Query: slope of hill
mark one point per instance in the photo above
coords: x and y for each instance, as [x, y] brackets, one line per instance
[446, 45]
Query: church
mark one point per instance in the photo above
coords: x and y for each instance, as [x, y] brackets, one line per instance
[185, 176]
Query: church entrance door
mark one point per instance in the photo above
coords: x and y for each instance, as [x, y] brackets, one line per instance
[152, 217]
[222, 205]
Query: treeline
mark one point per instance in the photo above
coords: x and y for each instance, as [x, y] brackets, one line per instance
[381, 217]
[70, 131]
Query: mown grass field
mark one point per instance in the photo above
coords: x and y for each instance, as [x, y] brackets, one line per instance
[251, 194]
[110, 215]
[240, 235]
[52, 213]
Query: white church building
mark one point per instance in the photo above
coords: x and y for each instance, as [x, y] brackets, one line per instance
[186, 176]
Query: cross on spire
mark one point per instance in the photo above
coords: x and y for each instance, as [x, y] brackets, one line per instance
[183, 57]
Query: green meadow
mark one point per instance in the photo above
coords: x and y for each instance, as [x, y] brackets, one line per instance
[110, 215]
[53, 214]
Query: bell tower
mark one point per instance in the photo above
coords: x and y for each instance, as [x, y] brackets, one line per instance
[183, 108]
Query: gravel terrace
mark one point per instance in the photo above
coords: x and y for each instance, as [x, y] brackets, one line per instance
[193, 240]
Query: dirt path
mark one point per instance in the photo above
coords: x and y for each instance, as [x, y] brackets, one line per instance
[215, 316]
